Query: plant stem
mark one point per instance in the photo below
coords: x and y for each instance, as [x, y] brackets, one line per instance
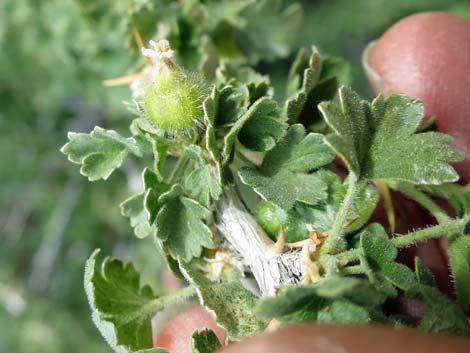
[160, 303]
[337, 228]
[388, 203]
[424, 200]
[352, 270]
[449, 227]
[180, 164]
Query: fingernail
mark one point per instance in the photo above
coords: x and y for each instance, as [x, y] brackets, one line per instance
[374, 78]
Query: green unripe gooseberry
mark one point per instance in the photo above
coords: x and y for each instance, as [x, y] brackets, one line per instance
[174, 101]
[271, 217]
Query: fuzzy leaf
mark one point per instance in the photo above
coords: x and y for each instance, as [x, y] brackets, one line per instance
[312, 79]
[268, 29]
[154, 189]
[119, 304]
[441, 315]
[459, 253]
[231, 304]
[344, 312]
[283, 178]
[181, 227]
[134, 209]
[376, 246]
[258, 128]
[401, 277]
[378, 140]
[100, 152]
[205, 341]
[294, 299]
[203, 186]
[322, 215]
[378, 256]
[457, 195]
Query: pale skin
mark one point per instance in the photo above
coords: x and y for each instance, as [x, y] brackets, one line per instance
[432, 65]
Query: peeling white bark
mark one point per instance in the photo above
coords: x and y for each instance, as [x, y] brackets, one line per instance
[270, 269]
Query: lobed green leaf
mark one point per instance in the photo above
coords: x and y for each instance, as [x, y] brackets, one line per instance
[100, 152]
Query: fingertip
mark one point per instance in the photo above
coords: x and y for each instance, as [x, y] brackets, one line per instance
[427, 56]
[348, 339]
[175, 336]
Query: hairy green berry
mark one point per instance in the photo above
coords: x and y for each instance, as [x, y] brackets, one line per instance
[173, 103]
[271, 217]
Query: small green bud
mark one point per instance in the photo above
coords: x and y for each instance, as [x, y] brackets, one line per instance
[174, 101]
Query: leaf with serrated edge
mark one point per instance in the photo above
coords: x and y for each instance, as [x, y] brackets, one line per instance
[258, 128]
[181, 227]
[441, 315]
[231, 304]
[459, 254]
[378, 140]
[134, 209]
[205, 341]
[100, 152]
[322, 215]
[203, 186]
[293, 298]
[282, 178]
[119, 304]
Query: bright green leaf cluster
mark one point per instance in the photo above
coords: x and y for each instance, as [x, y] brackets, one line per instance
[100, 152]
[283, 177]
[378, 140]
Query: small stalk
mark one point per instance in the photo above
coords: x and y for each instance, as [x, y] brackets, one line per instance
[177, 170]
[159, 303]
[449, 227]
[388, 202]
[337, 230]
[352, 270]
[425, 201]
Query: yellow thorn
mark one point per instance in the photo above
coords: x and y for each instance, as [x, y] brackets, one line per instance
[388, 203]
[298, 244]
[123, 80]
[140, 44]
[278, 247]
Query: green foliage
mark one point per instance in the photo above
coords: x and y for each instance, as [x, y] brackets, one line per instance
[459, 254]
[119, 304]
[378, 256]
[231, 304]
[335, 300]
[324, 213]
[204, 342]
[203, 186]
[441, 315]
[100, 152]
[51, 219]
[283, 178]
[180, 225]
[258, 128]
[133, 208]
[312, 79]
[378, 140]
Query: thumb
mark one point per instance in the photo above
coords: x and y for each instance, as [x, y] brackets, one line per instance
[427, 56]
[349, 339]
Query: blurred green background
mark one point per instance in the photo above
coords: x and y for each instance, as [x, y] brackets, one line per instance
[54, 55]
